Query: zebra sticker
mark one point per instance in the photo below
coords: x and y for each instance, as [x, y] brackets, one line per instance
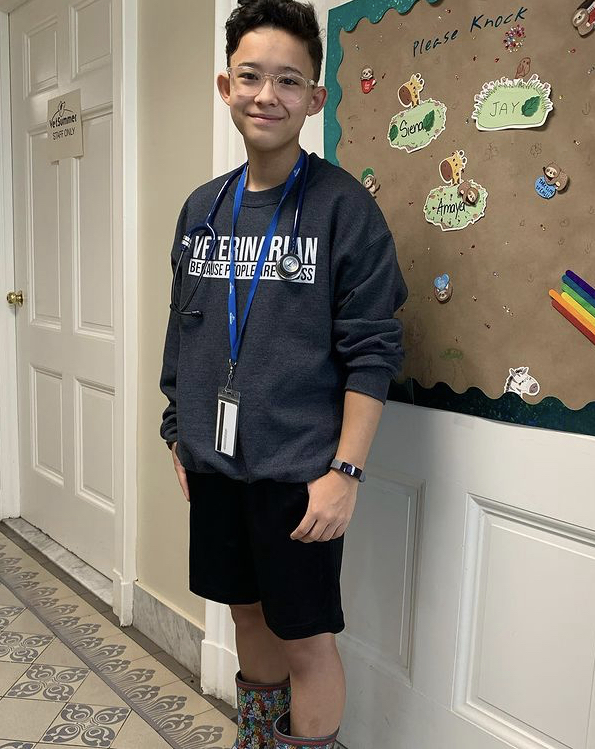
[519, 381]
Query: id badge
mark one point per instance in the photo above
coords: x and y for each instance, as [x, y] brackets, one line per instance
[228, 407]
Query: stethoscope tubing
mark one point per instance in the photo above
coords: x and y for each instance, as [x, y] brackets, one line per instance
[208, 227]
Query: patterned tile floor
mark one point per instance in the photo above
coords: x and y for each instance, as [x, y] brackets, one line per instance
[70, 675]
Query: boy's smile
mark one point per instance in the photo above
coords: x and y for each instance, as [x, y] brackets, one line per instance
[267, 120]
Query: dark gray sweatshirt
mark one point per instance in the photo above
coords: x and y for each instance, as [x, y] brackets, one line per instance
[306, 341]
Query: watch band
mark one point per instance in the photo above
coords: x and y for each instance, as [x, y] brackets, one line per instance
[349, 469]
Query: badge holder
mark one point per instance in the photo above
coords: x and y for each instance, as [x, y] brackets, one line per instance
[228, 406]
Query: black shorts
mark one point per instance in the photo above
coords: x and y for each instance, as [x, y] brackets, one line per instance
[240, 552]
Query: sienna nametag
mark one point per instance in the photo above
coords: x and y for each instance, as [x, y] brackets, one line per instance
[228, 406]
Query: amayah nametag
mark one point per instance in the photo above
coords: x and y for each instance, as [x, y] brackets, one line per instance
[228, 406]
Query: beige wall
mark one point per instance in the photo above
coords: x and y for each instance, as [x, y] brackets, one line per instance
[175, 115]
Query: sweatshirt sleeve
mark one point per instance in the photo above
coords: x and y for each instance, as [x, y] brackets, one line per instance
[369, 289]
[169, 370]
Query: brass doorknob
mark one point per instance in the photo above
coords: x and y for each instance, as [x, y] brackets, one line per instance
[15, 297]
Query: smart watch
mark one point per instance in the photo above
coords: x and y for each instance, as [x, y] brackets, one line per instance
[349, 469]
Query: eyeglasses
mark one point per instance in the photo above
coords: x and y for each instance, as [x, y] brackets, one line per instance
[289, 87]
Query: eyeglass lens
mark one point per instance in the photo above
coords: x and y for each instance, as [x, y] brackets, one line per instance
[287, 86]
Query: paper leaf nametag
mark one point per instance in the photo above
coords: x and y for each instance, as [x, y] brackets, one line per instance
[512, 103]
[420, 124]
[460, 203]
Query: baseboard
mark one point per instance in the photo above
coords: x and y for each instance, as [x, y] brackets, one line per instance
[167, 628]
[77, 568]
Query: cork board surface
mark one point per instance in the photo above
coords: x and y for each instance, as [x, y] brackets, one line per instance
[501, 267]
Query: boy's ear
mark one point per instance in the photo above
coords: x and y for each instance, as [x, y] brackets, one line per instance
[318, 100]
[223, 84]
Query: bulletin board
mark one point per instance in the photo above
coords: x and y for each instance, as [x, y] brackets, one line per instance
[472, 123]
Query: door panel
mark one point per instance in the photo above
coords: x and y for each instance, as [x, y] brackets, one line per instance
[64, 263]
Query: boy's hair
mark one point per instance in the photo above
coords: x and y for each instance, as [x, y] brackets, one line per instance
[298, 19]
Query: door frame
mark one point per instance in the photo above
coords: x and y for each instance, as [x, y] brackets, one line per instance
[125, 245]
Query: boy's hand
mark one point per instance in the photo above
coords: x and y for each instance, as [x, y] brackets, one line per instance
[181, 471]
[331, 505]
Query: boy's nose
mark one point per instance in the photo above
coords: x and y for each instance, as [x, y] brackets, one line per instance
[267, 93]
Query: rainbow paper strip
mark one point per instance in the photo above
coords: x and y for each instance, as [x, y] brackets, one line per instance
[578, 309]
[566, 289]
[580, 293]
[565, 309]
[581, 282]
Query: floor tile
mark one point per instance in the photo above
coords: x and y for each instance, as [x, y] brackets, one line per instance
[179, 711]
[51, 696]
[30, 557]
[42, 681]
[142, 640]
[213, 723]
[9, 673]
[22, 562]
[171, 663]
[9, 613]
[71, 606]
[95, 691]
[6, 542]
[24, 720]
[176, 697]
[120, 646]
[28, 622]
[7, 598]
[147, 670]
[45, 593]
[95, 625]
[209, 729]
[21, 647]
[57, 654]
[136, 733]
[228, 710]
[80, 723]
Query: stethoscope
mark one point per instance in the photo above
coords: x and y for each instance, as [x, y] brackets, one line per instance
[288, 266]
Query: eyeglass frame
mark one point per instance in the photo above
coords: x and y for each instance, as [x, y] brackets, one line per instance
[273, 76]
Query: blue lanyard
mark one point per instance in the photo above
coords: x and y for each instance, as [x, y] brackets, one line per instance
[235, 340]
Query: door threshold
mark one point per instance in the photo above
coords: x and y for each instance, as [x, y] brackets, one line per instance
[82, 572]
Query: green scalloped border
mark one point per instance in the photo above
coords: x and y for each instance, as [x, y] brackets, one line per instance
[347, 17]
[550, 413]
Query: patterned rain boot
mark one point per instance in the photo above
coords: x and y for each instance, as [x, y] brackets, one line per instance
[284, 740]
[258, 707]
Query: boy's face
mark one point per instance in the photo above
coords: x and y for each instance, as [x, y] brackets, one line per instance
[265, 120]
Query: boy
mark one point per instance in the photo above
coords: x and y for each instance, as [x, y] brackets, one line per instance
[272, 474]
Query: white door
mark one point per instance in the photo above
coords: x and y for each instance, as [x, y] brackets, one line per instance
[64, 265]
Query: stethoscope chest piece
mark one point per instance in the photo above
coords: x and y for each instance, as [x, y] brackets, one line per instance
[289, 266]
